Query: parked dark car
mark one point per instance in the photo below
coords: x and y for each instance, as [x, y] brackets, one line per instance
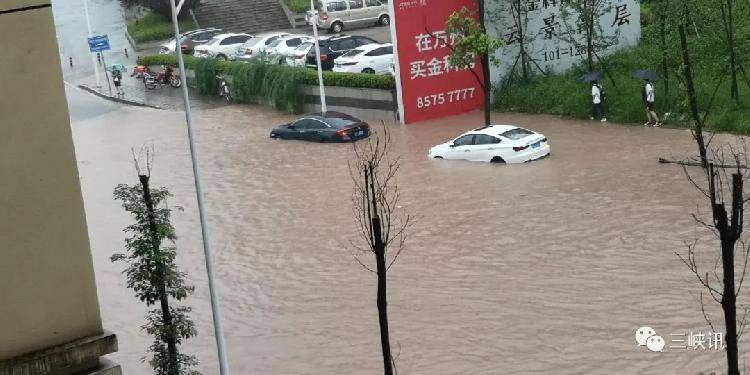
[333, 47]
[189, 40]
[324, 127]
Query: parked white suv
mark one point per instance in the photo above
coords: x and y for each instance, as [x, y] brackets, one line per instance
[222, 46]
[370, 58]
[334, 15]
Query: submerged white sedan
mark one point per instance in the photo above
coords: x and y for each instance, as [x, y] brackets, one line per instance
[496, 144]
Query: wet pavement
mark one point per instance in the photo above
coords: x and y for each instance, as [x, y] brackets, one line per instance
[546, 267]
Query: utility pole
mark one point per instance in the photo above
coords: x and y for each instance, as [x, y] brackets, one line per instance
[93, 58]
[314, 22]
[215, 307]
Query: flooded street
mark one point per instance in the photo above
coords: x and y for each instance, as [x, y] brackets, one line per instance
[541, 268]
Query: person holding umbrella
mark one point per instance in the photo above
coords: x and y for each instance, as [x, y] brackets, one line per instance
[597, 95]
[649, 96]
[648, 93]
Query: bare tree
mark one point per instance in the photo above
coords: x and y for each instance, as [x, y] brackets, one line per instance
[583, 29]
[723, 187]
[381, 224]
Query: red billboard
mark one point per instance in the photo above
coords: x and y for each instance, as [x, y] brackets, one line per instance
[429, 87]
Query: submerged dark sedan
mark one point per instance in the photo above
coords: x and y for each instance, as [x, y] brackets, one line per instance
[324, 127]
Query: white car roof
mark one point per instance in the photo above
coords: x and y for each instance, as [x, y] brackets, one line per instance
[493, 129]
[291, 36]
[227, 35]
[372, 46]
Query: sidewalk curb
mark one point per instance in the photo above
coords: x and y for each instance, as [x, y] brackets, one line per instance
[115, 99]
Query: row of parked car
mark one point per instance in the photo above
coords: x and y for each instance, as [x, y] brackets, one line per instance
[339, 53]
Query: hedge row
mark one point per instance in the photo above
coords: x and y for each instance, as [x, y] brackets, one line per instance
[275, 85]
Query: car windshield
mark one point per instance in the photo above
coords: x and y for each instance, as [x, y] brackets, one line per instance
[275, 43]
[517, 133]
[253, 41]
[304, 46]
[213, 40]
[339, 122]
[353, 52]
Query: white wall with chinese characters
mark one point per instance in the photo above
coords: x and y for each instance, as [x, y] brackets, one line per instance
[554, 41]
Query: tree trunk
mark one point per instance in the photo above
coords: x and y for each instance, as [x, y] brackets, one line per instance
[589, 14]
[385, 341]
[732, 52]
[487, 86]
[379, 247]
[166, 314]
[728, 234]
[693, 101]
[664, 58]
[487, 90]
[522, 41]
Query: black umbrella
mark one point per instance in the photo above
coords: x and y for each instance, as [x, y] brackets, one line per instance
[591, 77]
[646, 74]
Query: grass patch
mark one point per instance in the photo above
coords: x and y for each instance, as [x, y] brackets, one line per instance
[298, 6]
[563, 94]
[153, 27]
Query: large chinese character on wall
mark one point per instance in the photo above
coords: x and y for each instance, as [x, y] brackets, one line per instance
[551, 36]
[429, 87]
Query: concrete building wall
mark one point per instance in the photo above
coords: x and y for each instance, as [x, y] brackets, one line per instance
[47, 290]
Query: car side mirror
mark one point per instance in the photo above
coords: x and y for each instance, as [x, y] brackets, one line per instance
[452, 145]
[292, 127]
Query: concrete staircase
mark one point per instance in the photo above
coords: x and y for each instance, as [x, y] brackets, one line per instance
[243, 16]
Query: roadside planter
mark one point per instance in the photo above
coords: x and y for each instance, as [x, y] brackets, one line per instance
[289, 89]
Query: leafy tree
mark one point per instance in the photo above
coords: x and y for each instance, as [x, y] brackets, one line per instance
[163, 7]
[471, 40]
[583, 17]
[154, 276]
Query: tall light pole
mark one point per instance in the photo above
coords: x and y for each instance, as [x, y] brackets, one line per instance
[314, 22]
[93, 58]
[215, 308]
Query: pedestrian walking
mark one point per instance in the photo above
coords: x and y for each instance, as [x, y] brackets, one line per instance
[597, 96]
[648, 97]
[117, 80]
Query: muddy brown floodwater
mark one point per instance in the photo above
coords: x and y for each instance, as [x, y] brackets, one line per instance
[542, 268]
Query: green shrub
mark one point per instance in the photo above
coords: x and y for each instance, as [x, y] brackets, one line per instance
[171, 59]
[205, 76]
[298, 6]
[153, 26]
[361, 80]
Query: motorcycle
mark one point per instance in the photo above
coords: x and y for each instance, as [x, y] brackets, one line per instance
[167, 77]
[224, 89]
[149, 80]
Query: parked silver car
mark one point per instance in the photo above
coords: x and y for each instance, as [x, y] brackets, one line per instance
[255, 47]
[335, 15]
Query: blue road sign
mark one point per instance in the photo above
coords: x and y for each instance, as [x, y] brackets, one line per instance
[99, 43]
